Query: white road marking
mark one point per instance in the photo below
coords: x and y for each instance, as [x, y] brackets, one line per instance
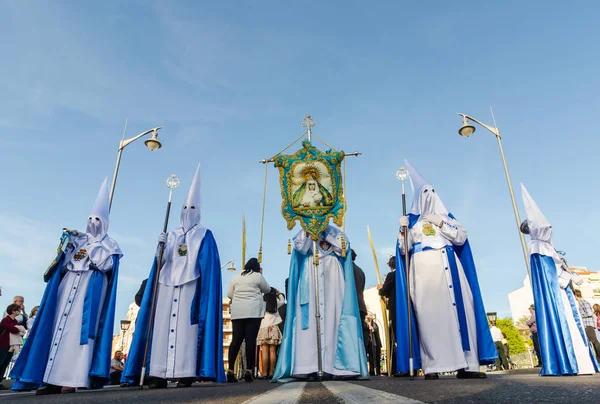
[288, 393]
[351, 393]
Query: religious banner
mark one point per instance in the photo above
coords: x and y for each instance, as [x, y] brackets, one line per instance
[311, 188]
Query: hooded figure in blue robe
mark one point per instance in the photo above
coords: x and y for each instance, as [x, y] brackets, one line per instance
[449, 324]
[70, 343]
[342, 347]
[565, 348]
[186, 340]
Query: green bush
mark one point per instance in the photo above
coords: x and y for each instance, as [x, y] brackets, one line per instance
[515, 340]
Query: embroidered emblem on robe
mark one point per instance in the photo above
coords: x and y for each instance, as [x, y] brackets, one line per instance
[182, 250]
[79, 255]
[428, 230]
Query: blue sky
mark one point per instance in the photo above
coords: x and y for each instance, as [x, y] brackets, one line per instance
[231, 83]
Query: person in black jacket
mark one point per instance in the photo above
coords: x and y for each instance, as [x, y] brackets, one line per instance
[374, 351]
[388, 290]
[140, 293]
[359, 284]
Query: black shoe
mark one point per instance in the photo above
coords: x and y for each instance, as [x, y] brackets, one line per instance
[185, 382]
[248, 377]
[312, 377]
[157, 383]
[463, 374]
[3, 387]
[402, 374]
[432, 376]
[48, 389]
[126, 384]
[231, 377]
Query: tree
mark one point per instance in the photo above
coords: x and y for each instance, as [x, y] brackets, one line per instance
[514, 338]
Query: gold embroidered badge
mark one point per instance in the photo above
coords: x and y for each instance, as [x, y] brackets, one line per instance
[428, 230]
[79, 255]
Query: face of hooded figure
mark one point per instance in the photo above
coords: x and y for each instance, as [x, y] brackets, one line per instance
[430, 202]
[96, 227]
[190, 216]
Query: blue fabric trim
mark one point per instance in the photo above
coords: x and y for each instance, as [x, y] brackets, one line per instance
[91, 306]
[556, 346]
[458, 299]
[206, 311]
[401, 332]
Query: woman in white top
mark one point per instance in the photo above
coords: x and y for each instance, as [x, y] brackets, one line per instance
[269, 335]
[247, 310]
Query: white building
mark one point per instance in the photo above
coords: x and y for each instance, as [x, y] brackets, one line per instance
[522, 298]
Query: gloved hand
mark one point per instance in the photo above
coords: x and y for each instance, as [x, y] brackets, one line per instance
[576, 279]
[433, 219]
[162, 238]
[404, 221]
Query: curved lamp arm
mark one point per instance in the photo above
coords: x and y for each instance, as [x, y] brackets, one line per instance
[495, 131]
[127, 142]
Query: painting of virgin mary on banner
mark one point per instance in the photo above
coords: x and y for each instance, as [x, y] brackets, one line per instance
[311, 187]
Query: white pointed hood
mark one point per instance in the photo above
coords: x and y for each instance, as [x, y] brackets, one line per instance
[97, 225]
[190, 212]
[425, 198]
[540, 229]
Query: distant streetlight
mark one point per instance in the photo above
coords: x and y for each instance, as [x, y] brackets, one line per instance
[125, 324]
[153, 144]
[231, 267]
[466, 130]
[492, 316]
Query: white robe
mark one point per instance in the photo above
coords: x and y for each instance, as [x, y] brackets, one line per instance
[174, 351]
[174, 339]
[69, 362]
[432, 294]
[331, 278]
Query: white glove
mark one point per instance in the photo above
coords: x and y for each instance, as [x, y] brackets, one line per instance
[576, 279]
[433, 218]
[162, 238]
[404, 221]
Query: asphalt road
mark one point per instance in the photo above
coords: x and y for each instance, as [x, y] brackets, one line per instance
[498, 388]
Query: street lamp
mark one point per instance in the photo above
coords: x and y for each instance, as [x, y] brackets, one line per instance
[153, 144]
[124, 327]
[467, 130]
[492, 316]
[231, 267]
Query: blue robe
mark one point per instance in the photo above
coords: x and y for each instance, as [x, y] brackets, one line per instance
[350, 354]
[207, 312]
[486, 348]
[29, 369]
[557, 354]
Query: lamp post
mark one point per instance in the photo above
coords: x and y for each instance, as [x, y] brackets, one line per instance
[492, 316]
[153, 144]
[467, 130]
[124, 327]
[231, 267]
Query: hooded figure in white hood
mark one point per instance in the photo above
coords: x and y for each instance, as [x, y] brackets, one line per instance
[452, 329]
[187, 335]
[564, 346]
[70, 344]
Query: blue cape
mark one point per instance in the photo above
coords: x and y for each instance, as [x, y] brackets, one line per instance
[485, 345]
[207, 312]
[557, 356]
[29, 369]
[350, 353]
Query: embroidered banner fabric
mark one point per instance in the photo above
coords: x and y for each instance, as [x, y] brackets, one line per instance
[311, 188]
